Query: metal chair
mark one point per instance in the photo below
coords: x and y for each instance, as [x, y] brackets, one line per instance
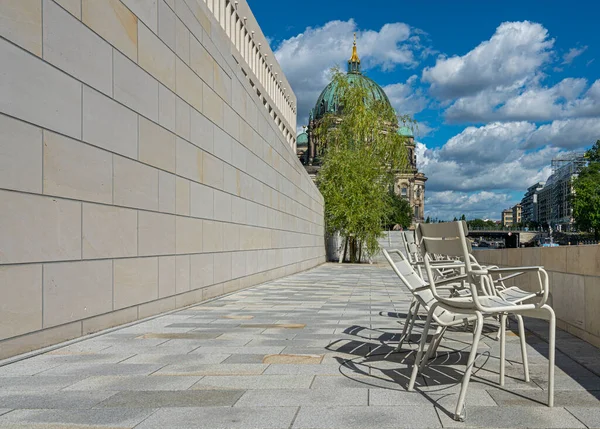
[450, 239]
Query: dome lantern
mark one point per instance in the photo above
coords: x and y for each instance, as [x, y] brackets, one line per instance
[354, 61]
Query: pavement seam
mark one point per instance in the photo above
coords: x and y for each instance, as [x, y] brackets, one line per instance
[294, 418]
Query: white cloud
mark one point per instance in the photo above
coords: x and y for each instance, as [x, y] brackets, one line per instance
[406, 98]
[566, 99]
[488, 158]
[308, 57]
[514, 52]
[571, 134]
[446, 205]
[572, 54]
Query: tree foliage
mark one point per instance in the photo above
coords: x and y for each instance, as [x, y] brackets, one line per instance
[400, 212]
[586, 204]
[362, 154]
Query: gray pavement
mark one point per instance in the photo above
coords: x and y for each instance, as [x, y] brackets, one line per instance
[313, 350]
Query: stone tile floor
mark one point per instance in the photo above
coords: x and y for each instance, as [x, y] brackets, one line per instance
[313, 350]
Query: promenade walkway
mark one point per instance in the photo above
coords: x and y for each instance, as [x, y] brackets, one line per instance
[313, 350]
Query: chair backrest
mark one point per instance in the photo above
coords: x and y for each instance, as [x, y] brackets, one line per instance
[404, 270]
[411, 248]
[446, 238]
[418, 287]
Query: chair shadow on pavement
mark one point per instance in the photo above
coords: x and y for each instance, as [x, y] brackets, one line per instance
[371, 359]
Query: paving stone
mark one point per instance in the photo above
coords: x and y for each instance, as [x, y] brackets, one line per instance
[535, 398]
[4, 410]
[180, 359]
[587, 415]
[167, 399]
[87, 369]
[36, 383]
[76, 418]
[243, 358]
[302, 397]
[49, 400]
[215, 417]
[512, 417]
[366, 417]
[386, 397]
[233, 369]
[255, 382]
[112, 383]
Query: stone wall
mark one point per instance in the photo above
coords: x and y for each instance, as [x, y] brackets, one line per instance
[574, 275]
[139, 172]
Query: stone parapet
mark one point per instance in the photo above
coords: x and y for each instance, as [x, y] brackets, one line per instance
[574, 275]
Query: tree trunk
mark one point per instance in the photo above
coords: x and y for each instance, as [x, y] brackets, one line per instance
[352, 250]
[359, 251]
[345, 248]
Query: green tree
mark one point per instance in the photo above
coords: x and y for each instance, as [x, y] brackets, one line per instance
[586, 202]
[455, 219]
[400, 213]
[359, 164]
[463, 217]
[428, 220]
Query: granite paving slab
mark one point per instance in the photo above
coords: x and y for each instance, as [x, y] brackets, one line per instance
[221, 418]
[512, 417]
[169, 399]
[63, 400]
[297, 397]
[328, 417]
[110, 418]
[117, 383]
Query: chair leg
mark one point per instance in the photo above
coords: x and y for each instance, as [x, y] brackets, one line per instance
[409, 317]
[458, 414]
[523, 347]
[425, 359]
[415, 316]
[551, 344]
[415, 370]
[502, 347]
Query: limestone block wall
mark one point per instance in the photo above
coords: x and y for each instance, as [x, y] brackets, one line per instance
[139, 172]
[574, 275]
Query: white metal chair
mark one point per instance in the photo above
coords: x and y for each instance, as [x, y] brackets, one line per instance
[450, 239]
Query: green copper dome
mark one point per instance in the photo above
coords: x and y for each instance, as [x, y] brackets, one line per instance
[302, 140]
[405, 132]
[328, 101]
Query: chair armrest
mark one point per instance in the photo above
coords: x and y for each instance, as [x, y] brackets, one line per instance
[513, 270]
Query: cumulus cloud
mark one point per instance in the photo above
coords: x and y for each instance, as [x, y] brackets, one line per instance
[491, 158]
[406, 98]
[308, 57]
[572, 54]
[445, 205]
[567, 99]
[514, 52]
[571, 134]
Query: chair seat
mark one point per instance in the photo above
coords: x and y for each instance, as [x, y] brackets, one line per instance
[466, 302]
[516, 295]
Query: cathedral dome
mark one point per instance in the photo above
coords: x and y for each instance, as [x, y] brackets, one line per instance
[302, 140]
[405, 132]
[328, 101]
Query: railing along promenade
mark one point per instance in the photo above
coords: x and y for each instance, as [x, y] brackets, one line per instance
[252, 52]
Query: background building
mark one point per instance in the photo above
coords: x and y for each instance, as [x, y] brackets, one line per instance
[530, 203]
[554, 200]
[507, 217]
[410, 183]
[516, 214]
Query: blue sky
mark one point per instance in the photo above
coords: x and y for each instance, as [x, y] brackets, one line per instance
[498, 88]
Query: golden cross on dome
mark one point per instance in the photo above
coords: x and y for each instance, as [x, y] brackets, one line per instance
[354, 57]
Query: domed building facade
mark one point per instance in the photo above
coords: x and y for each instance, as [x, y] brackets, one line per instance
[410, 183]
